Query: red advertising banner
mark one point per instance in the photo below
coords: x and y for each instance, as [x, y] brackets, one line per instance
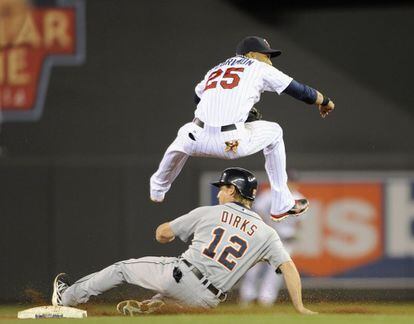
[32, 39]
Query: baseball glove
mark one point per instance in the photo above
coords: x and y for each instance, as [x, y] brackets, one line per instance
[254, 114]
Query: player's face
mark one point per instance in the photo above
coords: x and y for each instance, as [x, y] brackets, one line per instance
[265, 58]
[225, 194]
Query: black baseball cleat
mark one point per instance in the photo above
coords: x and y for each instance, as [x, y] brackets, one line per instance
[60, 284]
[301, 205]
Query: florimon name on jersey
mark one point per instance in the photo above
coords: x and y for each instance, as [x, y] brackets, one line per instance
[33, 38]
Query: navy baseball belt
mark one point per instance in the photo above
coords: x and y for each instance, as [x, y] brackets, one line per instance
[221, 296]
[224, 128]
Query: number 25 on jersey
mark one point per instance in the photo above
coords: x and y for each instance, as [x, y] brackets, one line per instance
[235, 247]
[229, 80]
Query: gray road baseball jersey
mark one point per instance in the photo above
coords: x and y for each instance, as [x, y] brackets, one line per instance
[228, 240]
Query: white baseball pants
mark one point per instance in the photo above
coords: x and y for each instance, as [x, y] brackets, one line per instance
[153, 273]
[193, 140]
[262, 283]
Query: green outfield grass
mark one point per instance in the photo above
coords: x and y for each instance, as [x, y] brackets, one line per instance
[354, 313]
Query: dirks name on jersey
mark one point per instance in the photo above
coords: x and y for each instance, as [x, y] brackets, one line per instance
[238, 222]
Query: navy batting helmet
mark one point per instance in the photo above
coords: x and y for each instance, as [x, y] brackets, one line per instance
[242, 179]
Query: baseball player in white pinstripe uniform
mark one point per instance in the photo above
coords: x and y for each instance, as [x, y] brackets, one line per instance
[221, 127]
[261, 283]
[227, 240]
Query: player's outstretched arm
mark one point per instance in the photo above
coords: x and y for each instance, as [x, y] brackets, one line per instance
[309, 95]
[294, 286]
[164, 233]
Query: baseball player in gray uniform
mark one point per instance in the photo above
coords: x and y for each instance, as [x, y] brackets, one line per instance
[222, 128]
[228, 239]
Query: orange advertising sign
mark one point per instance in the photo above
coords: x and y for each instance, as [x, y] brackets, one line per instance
[342, 229]
[32, 40]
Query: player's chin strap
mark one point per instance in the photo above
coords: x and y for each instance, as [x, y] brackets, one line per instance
[205, 282]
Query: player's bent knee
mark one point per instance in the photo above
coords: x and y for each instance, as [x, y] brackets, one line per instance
[277, 129]
[276, 137]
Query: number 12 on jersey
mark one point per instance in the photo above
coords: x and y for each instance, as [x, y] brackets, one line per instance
[235, 247]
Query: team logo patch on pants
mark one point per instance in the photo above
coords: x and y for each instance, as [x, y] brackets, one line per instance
[231, 146]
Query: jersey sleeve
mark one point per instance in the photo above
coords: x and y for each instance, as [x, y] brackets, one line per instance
[185, 226]
[276, 253]
[199, 89]
[275, 80]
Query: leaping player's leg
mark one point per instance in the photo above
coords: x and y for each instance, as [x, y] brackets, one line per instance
[268, 136]
[172, 163]
[275, 165]
[170, 167]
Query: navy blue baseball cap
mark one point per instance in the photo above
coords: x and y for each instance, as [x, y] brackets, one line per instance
[256, 44]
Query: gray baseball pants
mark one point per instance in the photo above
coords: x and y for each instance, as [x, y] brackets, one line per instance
[153, 273]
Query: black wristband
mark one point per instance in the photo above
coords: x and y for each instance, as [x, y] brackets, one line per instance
[325, 101]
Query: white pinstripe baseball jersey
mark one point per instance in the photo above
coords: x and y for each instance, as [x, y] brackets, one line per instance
[227, 93]
[230, 89]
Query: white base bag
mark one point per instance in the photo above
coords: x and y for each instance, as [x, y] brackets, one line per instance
[52, 312]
